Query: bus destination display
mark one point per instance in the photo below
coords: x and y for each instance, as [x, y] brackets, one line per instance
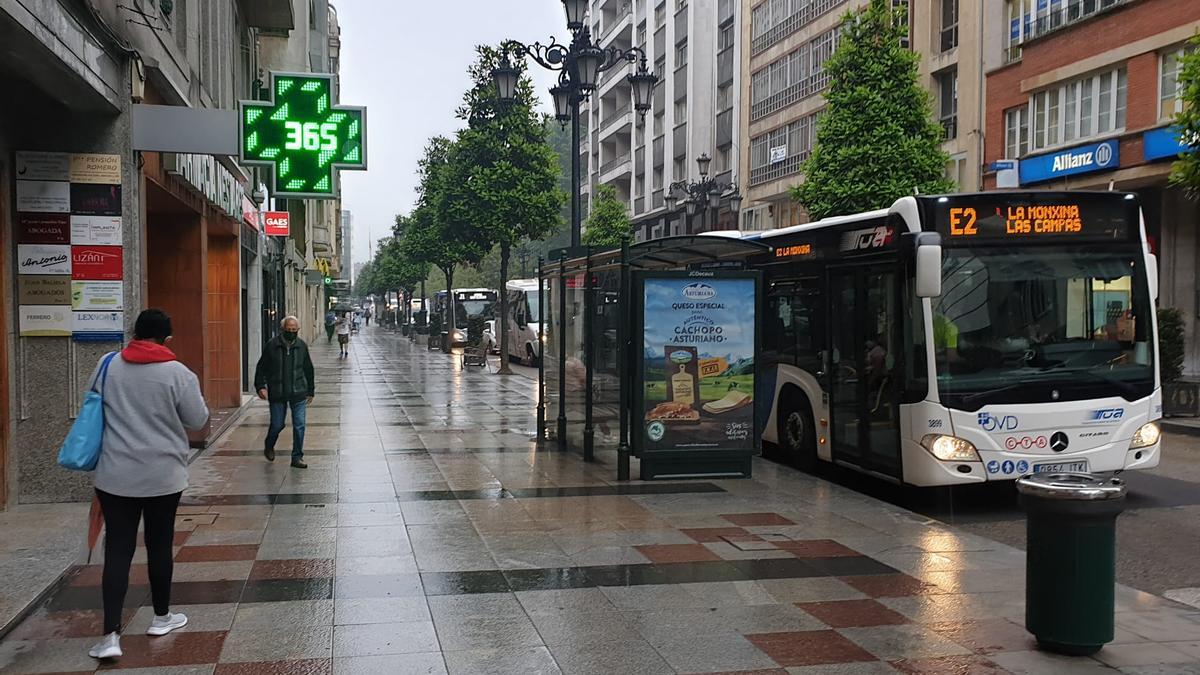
[1036, 218]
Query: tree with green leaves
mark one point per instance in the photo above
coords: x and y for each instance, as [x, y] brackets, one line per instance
[608, 223]
[1186, 171]
[435, 234]
[504, 175]
[877, 140]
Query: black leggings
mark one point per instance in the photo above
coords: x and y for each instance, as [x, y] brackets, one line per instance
[121, 516]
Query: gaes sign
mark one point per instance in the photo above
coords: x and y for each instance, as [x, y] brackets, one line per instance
[277, 223]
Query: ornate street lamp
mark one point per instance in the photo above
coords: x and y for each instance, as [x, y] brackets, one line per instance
[706, 193]
[579, 65]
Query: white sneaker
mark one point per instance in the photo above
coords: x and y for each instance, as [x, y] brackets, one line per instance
[161, 625]
[108, 648]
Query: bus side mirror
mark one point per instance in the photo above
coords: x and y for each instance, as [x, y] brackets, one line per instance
[928, 282]
[1152, 275]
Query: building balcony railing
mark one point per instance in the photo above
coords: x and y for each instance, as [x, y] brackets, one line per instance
[810, 86]
[791, 24]
[624, 11]
[621, 114]
[950, 127]
[770, 172]
[613, 165]
[1062, 15]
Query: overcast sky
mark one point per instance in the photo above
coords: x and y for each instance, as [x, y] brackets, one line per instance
[406, 60]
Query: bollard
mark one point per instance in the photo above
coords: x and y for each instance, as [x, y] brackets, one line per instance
[1070, 560]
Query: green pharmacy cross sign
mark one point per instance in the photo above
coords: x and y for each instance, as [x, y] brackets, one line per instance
[303, 135]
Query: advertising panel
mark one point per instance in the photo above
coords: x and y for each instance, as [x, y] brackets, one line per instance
[97, 326]
[43, 259]
[102, 296]
[697, 363]
[96, 230]
[44, 320]
[277, 223]
[43, 196]
[98, 169]
[88, 199]
[43, 228]
[43, 289]
[97, 263]
[43, 166]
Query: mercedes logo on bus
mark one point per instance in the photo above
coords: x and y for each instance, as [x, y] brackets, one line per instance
[1059, 441]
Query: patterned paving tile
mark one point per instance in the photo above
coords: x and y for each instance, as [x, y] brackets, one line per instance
[676, 553]
[853, 613]
[809, 648]
[756, 519]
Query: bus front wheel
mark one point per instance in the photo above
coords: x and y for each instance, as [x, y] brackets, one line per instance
[797, 434]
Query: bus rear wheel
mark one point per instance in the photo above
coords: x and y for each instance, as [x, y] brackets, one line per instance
[797, 435]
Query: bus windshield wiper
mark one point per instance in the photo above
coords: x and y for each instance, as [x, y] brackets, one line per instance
[970, 399]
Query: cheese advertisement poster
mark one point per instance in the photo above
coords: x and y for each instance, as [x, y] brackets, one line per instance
[698, 363]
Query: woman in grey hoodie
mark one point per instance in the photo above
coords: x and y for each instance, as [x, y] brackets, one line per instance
[150, 399]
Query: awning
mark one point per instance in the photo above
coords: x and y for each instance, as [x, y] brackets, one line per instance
[685, 250]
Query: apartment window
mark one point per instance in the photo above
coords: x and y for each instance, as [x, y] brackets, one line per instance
[642, 33]
[1016, 132]
[1170, 101]
[656, 232]
[956, 170]
[681, 111]
[949, 32]
[1079, 109]
[679, 169]
[947, 87]
[721, 161]
[724, 98]
[725, 37]
[680, 5]
[657, 182]
[780, 153]
[681, 53]
[792, 78]
[660, 14]
[659, 126]
[773, 20]
[1029, 19]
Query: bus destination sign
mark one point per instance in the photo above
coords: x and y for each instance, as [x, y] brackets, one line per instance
[1040, 217]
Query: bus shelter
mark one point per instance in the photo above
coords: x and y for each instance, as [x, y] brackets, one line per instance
[601, 379]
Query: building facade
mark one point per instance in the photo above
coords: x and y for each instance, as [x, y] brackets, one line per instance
[692, 47]
[1084, 100]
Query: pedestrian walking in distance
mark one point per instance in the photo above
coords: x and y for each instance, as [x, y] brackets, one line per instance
[150, 399]
[344, 324]
[284, 377]
[330, 323]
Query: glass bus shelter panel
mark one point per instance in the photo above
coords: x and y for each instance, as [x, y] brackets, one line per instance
[550, 353]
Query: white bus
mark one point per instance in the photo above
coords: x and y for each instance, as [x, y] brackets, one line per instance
[523, 303]
[964, 338]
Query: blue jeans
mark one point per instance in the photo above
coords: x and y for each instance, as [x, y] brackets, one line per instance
[299, 417]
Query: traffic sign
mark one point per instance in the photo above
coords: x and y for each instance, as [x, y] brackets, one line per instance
[303, 135]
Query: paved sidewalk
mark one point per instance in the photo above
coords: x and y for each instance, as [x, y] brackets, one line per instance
[430, 536]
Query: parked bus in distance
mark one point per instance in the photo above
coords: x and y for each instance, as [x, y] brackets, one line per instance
[523, 304]
[964, 338]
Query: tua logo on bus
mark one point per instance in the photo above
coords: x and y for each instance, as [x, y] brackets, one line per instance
[868, 238]
[990, 422]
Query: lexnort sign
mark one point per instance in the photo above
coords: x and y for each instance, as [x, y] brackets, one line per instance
[303, 135]
[1104, 156]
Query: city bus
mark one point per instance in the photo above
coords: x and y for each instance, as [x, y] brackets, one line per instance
[964, 338]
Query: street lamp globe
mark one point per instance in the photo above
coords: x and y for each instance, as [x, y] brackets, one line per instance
[642, 82]
[562, 101]
[587, 67]
[692, 207]
[671, 200]
[505, 78]
[576, 11]
[714, 198]
[735, 201]
[703, 161]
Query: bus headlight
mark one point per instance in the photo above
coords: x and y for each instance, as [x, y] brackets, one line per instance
[950, 448]
[1146, 435]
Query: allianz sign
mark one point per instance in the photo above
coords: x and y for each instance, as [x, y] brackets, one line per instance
[1080, 159]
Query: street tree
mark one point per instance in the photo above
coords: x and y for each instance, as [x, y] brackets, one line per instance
[1186, 171]
[433, 235]
[876, 140]
[608, 223]
[504, 174]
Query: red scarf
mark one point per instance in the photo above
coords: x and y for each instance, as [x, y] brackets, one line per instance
[146, 351]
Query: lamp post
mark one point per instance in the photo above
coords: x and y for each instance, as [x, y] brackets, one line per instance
[703, 195]
[579, 65]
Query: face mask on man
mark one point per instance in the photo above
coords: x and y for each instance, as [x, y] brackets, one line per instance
[290, 335]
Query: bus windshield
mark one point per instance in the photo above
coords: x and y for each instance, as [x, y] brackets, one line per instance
[466, 309]
[1040, 324]
[534, 299]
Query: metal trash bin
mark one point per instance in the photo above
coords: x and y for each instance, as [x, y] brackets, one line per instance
[1070, 560]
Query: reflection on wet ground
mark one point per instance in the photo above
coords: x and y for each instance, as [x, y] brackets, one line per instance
[430, 535]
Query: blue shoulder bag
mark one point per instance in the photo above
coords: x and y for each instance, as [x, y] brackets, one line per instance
[81, 450]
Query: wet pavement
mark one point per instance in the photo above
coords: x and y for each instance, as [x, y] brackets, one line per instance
[429, 535]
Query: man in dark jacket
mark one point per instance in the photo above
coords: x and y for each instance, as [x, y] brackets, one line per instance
[284, 377]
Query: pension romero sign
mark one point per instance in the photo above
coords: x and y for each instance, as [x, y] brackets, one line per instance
[303, 135]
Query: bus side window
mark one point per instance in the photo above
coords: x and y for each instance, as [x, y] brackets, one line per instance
[779, 335]
[916, 376]
[807, 305]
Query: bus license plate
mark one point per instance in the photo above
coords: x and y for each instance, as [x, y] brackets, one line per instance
[1062, 467]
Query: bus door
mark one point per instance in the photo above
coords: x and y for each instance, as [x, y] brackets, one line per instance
[864, 370]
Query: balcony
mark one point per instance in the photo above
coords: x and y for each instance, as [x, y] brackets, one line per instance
[616, 168]
[619, 118]
[809, 86]
[680, 140]
[272, 15]
[1062, 16]
[621, 18]
[725, 128]
[786, 167]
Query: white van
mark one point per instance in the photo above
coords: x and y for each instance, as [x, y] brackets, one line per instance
[523, 301]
